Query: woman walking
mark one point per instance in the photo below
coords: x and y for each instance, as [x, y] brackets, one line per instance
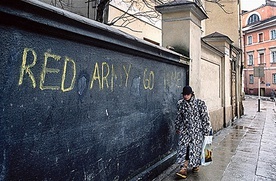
[192, 124]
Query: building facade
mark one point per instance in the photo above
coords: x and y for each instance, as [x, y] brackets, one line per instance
[229, 14]
[215, 66]
[227, 27]
[133, 17]
[259, 32]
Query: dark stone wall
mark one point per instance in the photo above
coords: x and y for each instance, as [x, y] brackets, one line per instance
[81, 106]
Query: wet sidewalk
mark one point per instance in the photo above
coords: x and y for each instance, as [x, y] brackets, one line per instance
[245, 151]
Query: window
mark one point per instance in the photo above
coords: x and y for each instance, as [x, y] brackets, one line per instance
[253, 19]
[261, 61]
[273, 56]
[261, 37]
[250, 59]
[249, 40]
[273, 34]
[251, 79]
[274, 78]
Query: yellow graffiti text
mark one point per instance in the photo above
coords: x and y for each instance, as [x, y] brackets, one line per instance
[46, 70]
[105, 76]
[148, 79]
[27, 68]
[127, 73]
[64, 74]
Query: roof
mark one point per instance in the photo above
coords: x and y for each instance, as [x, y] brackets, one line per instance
[183, 5]
[261, 24]
[268, 3]
[217, 35]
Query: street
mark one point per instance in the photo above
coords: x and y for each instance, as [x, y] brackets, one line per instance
[244, 151]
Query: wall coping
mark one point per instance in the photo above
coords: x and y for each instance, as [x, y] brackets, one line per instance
[181, 7]
[41, 15]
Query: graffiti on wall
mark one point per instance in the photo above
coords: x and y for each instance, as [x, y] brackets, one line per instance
[103, 74]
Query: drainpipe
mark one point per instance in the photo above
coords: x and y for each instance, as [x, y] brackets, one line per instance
[223, 92]
[240, 62]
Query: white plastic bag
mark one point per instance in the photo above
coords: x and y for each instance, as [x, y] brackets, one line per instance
[206, 154]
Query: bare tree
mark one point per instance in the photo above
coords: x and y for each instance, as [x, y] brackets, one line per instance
[138, 9]
[145, 9]
[134, 10]
[220, 5]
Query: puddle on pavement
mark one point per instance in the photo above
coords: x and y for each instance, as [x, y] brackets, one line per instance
[252, 130]
[240, 127]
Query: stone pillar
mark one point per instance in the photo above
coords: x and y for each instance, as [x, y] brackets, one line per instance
[181, 29]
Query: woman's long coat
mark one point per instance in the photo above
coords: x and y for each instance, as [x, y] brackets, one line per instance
[193, 122]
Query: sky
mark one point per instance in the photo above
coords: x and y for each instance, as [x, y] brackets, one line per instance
[251, 4]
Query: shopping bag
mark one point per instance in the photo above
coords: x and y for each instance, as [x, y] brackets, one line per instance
[206, 154]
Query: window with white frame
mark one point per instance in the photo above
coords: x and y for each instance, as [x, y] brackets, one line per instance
[273, 56]
[261, 37]
[250, 59]
[251, 79]
[274, 78]
[253, 19]
[261, 58]
[249, 40]
[273, 34]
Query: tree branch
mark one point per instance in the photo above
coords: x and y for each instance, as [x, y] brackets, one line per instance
[220, 5]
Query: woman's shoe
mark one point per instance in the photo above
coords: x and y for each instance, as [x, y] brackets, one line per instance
[182, 173]
[195, 169]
